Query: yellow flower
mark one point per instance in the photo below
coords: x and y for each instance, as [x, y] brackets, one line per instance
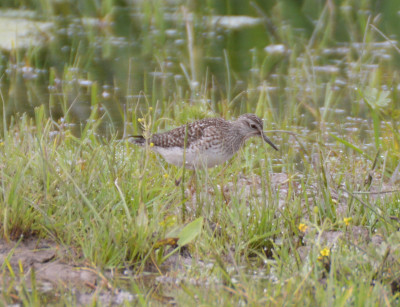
[169, 221]
[347, 220]
[140, 120]
[151, 109]
[151, 144]
[325, 252]
[302, 227]
[165, 175]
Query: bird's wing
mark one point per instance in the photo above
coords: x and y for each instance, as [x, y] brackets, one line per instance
[209, 135]
[193, 132]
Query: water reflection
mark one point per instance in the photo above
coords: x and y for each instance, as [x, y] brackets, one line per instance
[119, 66]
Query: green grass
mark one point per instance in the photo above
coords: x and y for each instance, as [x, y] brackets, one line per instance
[111, 201]
[302, 226]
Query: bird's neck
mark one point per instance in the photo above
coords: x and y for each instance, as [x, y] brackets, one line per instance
[237, 138]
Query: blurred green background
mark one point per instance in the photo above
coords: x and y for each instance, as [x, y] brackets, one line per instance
[124, 56]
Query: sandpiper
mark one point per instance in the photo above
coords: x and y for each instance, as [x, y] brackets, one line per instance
[209, 141]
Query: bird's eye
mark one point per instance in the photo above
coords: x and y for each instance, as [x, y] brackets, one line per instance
[252, 126]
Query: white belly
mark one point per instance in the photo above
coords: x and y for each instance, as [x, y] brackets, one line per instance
[194, 158]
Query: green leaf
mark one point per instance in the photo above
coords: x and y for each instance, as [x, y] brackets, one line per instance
[377, 100]
[377, 124]
[190, 231]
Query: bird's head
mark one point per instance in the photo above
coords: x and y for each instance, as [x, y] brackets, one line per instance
[252, 125]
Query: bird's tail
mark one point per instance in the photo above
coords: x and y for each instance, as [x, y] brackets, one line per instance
[136, 139]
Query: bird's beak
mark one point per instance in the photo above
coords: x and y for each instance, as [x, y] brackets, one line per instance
[267, 140]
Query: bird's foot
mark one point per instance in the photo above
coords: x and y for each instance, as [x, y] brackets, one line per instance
[178, 181]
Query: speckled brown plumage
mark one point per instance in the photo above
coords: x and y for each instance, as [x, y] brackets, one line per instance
[210, 141]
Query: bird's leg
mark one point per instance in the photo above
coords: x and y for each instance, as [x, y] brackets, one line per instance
[222, 176]
[192, 188]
